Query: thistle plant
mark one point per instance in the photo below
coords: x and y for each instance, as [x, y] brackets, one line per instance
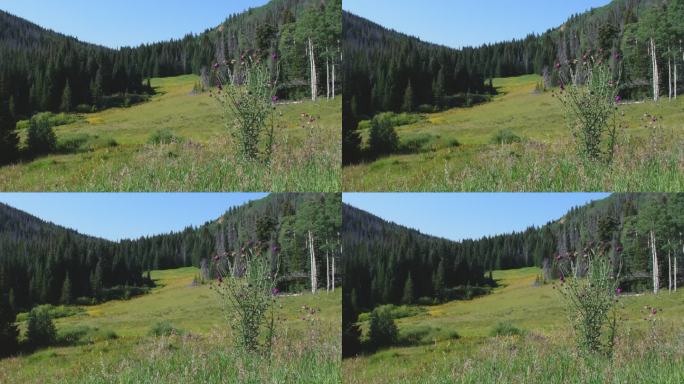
[589, 94]
[247, 288]
[246, 92]
[589, 285]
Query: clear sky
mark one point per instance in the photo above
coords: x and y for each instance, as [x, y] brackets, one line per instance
[459, 23]
[459, 216]
[117, 216]
[116, 23]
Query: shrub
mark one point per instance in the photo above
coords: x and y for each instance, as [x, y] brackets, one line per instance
[164, 328]
[589, 287]
[247, 93]
[41, 137]
[163, 136]
[8, 330]
[383, 138]
[383, 331]
[505, 328]
[589, 96]
[505, 136]
[415, 336]
[41, 330]
[246, 286]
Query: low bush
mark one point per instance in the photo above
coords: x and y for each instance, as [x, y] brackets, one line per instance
[383, 332]
[164, 328]
[164, 136]
[41, 330]
[505, 136]
[505, 328]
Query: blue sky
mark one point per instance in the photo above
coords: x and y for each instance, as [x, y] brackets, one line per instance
[459, 216]
[116, 23]
[116, 216]
[458, 23]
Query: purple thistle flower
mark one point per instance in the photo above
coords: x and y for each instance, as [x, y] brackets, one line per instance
[558, 65]
[216, 65]
[274, 99]
[275, 291]
[562, 87]
[618, 99]
[617, 56]
[618, 291]
[274, 56]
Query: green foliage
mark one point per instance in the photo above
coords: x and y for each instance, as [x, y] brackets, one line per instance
[41, 139]
[383, 139]
[164, 328]
[246, 287]
[9, 333]
[589, 96]
[505, 328]
[247, 94]
[505, 136]
[589, 287]
[164, 136]
[41, 331]
[382, 332]
[408, 297]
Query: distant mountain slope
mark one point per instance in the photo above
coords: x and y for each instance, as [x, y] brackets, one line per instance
[36, 257]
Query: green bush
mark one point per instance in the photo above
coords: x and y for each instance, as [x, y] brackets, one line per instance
[383, 138]
[505, 136]
[505, 328]
[164, 328]
[164, 136]
[41, 138]
[41, 330]
[383, 332]
[83, 334]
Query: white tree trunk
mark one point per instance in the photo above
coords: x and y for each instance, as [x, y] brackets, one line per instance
[669, 77]
[327, 78]
[333, 273]
[654, 67]
[312, 253]
[314, 74]
[333, 80]
[327, 272]
[669, 272]
[654, 258]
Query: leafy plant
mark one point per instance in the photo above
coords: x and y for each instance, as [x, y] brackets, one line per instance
[164, 328]
[505, 328]
[247, 288]
[41, 330]
[589, 94]
[505, 136]
[383, 331]
[247, 94]
[589, 285]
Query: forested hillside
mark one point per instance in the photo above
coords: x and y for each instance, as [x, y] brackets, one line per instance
[42, 262]
[43, 70]
[624, 33]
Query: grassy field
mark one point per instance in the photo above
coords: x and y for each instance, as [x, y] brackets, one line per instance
[544, 353]
[546, 159]
[121, 350]
[117, 156]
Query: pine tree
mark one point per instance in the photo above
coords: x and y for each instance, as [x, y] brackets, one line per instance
[408, 99]
[66, 98]
[439, 283]
[9, 332]
[66, 291]
[407, 298]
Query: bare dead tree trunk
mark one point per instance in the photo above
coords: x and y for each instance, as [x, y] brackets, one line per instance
[327, 272]
[312, 253]
[327, 78]
[656, 76]
[669, 271]
[654, 258]
[333, 273]
[669, 75]
[314, 75]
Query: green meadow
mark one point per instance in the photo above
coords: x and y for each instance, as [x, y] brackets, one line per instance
[458, 342]
[116, 343]
[457, 150]
[116, 149]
